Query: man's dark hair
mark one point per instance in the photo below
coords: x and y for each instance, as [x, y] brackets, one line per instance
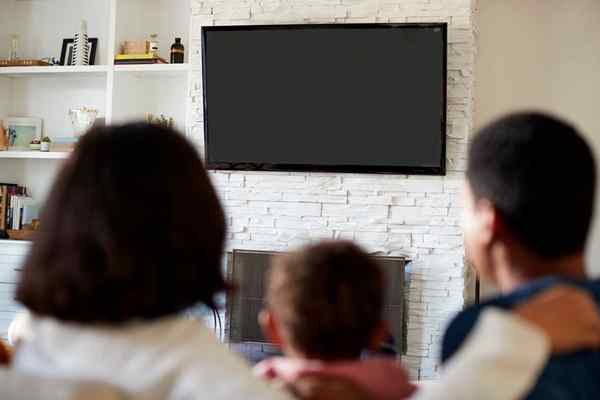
[540, 174]
[328, 299]
[132, 229]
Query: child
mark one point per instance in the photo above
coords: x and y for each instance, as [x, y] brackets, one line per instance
[323, 308]
[529, 200]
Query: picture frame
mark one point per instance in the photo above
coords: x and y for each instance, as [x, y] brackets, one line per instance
[66, 53]
[22, 130]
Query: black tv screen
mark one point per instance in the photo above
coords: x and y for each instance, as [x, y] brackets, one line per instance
[335, 97]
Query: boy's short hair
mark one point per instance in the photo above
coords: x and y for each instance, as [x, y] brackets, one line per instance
[328, 299]
[540, 174]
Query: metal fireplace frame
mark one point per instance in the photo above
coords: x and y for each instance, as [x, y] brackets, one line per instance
[395, 302]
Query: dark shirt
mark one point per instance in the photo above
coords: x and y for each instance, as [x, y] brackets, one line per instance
[574, 376]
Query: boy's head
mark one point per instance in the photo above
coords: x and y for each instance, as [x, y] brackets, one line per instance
[530, 189]
[325, 302]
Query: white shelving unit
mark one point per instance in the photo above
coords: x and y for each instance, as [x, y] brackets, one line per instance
[121, 93]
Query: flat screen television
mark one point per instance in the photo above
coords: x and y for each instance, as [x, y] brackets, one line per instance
[328, 97]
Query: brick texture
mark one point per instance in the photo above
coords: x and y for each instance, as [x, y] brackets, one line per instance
[393, 215]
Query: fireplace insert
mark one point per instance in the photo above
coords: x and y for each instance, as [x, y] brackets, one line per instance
[247, 269]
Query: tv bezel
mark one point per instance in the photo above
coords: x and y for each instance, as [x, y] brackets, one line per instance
[372, 169]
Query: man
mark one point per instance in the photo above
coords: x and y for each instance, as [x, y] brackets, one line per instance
[528, 206]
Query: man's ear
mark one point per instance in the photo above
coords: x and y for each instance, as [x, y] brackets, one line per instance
[381, 332]
[490, 222]
[270, 327]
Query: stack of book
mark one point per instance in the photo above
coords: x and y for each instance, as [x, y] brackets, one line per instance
[17, 209]
[146, 58]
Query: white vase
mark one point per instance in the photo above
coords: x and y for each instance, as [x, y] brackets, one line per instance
[82, 119]
[81, 47]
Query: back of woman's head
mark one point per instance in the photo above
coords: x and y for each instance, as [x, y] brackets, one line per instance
[132, 229]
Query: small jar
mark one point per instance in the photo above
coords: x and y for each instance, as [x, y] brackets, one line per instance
[153, 45]
[45, 146]
[35, 145]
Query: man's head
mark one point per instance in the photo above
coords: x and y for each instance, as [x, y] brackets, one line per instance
[325, 302]
[530, 189]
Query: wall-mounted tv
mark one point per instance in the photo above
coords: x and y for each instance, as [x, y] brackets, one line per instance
[328, 97]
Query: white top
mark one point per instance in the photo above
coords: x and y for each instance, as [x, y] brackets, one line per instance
[180, 359]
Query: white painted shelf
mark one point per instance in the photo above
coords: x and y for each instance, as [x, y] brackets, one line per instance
[22, 72]
[17, 72]
[4, 242]
[162, 69]
[44, 155]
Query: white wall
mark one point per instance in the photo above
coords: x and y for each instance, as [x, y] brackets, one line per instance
[389, 214]
[542, 54]
[42, 25]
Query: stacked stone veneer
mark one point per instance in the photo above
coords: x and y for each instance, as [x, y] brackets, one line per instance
[395, 215]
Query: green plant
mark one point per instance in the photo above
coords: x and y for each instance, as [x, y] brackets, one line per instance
[162, 120]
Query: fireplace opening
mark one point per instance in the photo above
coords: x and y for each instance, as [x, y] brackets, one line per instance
[247, 270]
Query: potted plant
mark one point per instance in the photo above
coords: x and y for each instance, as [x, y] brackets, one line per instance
[45, 145]
[35, 145]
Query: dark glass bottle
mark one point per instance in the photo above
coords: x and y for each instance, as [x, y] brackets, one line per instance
[177, 52]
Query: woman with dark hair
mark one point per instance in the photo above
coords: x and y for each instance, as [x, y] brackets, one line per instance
[132, 234]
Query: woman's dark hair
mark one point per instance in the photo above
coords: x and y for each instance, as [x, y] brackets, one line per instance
[540, 173]
[132, 229]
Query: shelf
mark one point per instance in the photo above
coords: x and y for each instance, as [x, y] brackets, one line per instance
[120, 93]
[21, 72]
[4, 242]
[22, 154]
[16, 72]
[154, 68]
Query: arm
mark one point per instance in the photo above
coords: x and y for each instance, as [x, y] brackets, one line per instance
[503, 356]
[499, 361]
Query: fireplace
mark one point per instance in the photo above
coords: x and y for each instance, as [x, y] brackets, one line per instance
[247, 269]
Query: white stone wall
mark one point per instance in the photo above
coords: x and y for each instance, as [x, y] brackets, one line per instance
[389, 214]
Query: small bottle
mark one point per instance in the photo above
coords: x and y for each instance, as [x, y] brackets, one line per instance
[153, 45]
[177, 52]
[13, 53]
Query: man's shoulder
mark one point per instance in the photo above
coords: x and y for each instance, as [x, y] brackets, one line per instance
[458, 330]
[463, 323]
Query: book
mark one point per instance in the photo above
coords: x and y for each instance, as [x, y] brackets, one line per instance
[11, 192]
[16, 225]
[29, 211]
[22, 204]
[10, 207]
[3, 209]
[138, 56]
[155, 60]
